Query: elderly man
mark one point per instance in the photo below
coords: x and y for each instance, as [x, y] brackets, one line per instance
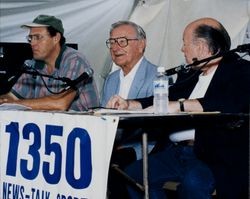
[219, 157]
[135, 77]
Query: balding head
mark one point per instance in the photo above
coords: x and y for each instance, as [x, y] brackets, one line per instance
[206, 21]
[212, 32]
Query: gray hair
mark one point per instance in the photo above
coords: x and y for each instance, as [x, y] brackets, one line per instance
[140, 33]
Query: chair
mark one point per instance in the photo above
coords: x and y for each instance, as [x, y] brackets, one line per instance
[172, 186]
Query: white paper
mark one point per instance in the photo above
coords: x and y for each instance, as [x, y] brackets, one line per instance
[116, 111]
[10, 106]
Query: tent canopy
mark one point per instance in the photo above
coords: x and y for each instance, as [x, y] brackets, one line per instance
[87, 23]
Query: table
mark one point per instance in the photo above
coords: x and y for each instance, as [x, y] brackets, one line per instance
[83, 122]
[172, 122]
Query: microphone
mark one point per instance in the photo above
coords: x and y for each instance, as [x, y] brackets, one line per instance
[177, 69]
[2, 72]
[28, 64]
[243, 48]
[84, 77]
[28, 67]
[185, 68]
[1, 52]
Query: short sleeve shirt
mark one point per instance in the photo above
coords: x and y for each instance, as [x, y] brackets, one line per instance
[69, 64]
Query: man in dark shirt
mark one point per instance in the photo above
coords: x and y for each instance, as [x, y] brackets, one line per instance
[219, 158]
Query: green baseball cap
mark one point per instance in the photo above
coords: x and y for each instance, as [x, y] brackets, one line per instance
[46, 21]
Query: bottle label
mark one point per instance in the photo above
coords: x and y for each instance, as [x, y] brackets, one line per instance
[160, 96]
[160, 86]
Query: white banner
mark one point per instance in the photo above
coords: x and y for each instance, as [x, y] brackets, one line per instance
[54, 155]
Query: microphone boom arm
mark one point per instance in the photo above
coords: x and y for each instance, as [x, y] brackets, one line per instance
[36, 73]
[240, 48]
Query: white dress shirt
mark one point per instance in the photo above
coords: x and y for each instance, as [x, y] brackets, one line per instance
[199, 91]
[126, 81]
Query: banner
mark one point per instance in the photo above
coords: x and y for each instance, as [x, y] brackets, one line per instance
[48, 155]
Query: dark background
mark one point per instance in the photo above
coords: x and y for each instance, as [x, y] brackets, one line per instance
[12, 57]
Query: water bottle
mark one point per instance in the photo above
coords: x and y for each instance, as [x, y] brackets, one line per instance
[161, 92]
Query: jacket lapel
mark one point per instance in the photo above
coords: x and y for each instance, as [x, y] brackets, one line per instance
[138, 81]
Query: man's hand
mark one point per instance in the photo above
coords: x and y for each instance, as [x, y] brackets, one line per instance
[8, 98]
[3, 100]
[60, 101]
[118, 102]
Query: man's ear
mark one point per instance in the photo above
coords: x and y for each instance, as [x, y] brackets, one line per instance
[203, 48]
[142, 45]
[57, 37]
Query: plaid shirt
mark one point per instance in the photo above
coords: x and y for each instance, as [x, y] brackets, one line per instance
[71, 64]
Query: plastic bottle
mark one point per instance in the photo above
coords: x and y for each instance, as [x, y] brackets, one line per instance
[161, 92]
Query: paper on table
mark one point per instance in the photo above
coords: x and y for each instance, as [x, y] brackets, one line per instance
[204, 113]
[10, 106]
[115, 111]
[148, 110]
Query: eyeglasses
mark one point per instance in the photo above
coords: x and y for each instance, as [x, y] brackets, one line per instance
[121, 41]
[36, 37]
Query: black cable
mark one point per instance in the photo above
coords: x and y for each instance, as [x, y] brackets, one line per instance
[35, 72]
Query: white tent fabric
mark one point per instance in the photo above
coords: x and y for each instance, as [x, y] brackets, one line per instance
[164, 22]
[87, 23]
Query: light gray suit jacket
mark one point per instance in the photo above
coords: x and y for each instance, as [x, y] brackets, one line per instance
[142, 85]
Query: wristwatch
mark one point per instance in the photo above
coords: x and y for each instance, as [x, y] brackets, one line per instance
[181, 103]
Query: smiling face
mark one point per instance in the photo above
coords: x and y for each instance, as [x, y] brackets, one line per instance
[126, 57]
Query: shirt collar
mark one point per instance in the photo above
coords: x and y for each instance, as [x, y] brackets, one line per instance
[131, 73]
[41, 64]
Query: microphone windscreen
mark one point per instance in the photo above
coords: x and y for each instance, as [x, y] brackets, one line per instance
[90, 72]
[29, 63]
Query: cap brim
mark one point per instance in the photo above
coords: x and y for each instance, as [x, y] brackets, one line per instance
[33, 25]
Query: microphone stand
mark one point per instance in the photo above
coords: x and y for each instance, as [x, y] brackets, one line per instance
[36, 73]
[66, 80]
[240, 49]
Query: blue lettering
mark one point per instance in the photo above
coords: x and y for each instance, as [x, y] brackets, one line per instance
[159, 85]
[32, 193]
[13, 129]
[85, 159]
[33, 151]
[6, 190]
[13, 191]
[55, 148]
[52, 169]
[22, 192]
[39, 194]
[67, 197]
[47, 196]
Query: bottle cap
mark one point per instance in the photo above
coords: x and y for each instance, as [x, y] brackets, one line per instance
[161, 69]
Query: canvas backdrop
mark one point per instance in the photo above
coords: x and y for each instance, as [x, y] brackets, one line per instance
[87, 23]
